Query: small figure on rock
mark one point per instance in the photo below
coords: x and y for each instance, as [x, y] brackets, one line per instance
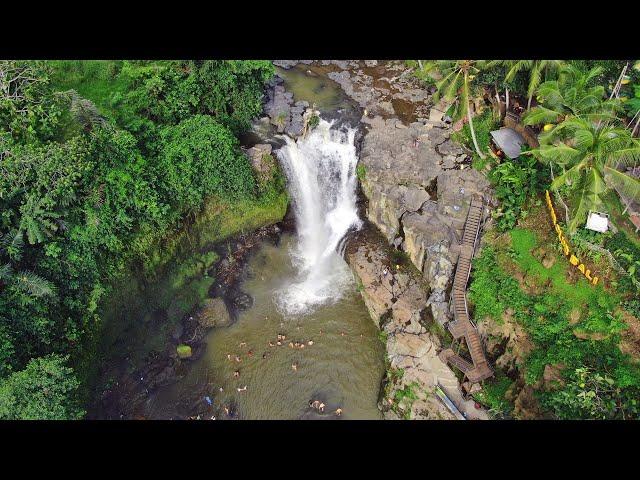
[338, 411]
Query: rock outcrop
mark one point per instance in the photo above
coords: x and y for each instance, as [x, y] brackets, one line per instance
[416, 200]
[419, 185]
[397, 299]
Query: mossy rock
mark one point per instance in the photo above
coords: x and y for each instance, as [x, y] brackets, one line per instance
[184, 351]
[213, 313]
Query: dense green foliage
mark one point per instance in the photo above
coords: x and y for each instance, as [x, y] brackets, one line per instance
[41, 391]
[545, 319]
[584, 148]
[514, 182]
[627, 254]
[87, 187]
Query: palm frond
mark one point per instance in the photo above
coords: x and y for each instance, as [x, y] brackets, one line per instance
[540, 114]
[6, 272]
[626, 185]
[589, 197]
[558, 154]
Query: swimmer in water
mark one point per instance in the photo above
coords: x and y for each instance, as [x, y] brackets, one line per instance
[228, 356]
[321, 407]
[271, 344]
[243, 389]
[243, 344]
[236, 374]
[338, 411]
[250, 353]
[238, 359]
[310, 342]
[294, 366]
[290, 344]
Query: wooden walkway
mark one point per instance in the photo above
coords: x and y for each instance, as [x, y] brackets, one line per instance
[462, 327]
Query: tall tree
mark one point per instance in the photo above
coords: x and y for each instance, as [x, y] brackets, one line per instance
[538, 71]
[455, 86]
[588, 152]
[572, 94]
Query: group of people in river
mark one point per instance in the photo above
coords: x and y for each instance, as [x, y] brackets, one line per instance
[320, 406]
[280, 340]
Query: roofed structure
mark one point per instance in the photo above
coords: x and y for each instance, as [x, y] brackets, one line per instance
[509, 141]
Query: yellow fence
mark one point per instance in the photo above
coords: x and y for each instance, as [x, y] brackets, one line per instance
[573, 260]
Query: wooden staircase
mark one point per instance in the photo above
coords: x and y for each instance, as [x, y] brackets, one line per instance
[463, 327]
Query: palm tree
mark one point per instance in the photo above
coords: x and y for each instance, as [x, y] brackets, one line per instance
[588, 153]
[455, 86]
[538, 69]
[572, 95]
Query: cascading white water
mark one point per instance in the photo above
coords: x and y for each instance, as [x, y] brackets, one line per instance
[320, 169]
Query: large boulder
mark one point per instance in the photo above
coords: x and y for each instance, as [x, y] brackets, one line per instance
[213, 313]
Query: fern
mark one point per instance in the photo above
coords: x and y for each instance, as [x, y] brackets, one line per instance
[34, 285]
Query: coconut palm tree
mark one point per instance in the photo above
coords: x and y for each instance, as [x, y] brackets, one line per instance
[588, 153]
[571, 95]
[538, 70]
[455, 86]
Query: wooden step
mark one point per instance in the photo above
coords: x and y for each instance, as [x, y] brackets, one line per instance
[457, 329]
[456, 360]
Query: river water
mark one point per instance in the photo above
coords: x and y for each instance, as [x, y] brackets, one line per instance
[301, 288]
[343, 367]
[308, 335]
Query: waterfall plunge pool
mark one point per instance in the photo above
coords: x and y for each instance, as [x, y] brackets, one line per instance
[301, 289]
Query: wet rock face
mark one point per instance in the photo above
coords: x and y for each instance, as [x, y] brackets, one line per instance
[417, 191]
[398, 301]
[283, 113]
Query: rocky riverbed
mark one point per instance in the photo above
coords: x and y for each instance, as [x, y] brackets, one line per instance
[417, 185]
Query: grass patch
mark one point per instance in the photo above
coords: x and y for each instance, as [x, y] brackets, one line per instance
[591, 340]
[493, 395]
[95, 80]
[523, 242]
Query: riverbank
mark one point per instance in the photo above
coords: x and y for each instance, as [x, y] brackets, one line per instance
[416, 186]
[153, 309]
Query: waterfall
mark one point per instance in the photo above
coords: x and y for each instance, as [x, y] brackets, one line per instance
[320, 170]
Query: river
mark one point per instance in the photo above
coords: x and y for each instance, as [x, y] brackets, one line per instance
[307, 335]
